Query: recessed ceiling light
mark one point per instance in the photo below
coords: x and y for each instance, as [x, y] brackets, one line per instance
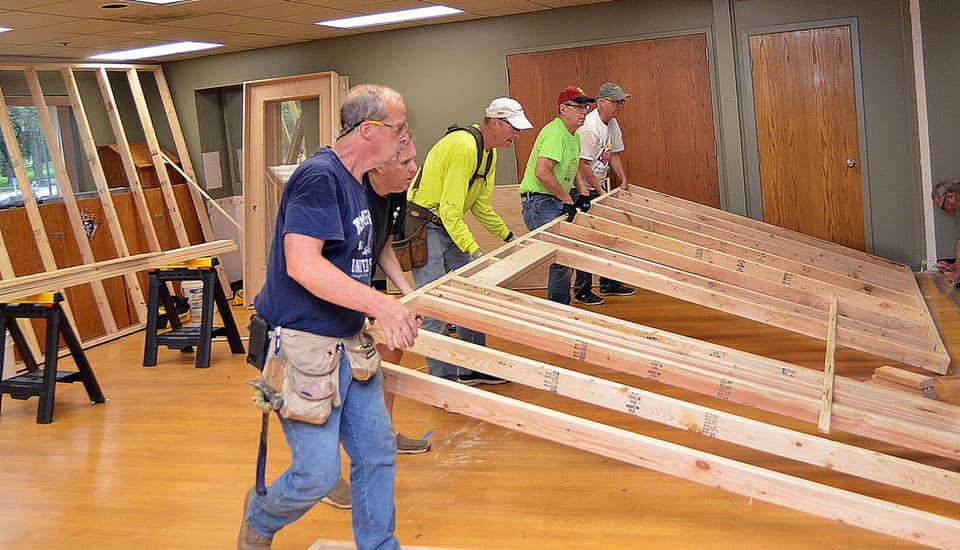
[388, 17]
[159, 50]
[5, 29]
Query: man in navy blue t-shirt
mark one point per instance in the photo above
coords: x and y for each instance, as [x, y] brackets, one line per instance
[318, 282]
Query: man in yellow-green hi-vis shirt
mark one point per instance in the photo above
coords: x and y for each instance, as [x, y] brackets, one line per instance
[458, 176]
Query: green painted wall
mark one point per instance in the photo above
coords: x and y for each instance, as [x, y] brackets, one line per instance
[449, 72]
[941, 51]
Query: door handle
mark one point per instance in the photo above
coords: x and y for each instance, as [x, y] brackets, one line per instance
[851, 163]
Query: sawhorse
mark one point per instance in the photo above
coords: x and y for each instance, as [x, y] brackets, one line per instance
[42, 382]
[181, 337]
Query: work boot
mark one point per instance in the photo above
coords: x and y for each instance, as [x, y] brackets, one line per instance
[339, 497]
[248, 539]
[407, 446]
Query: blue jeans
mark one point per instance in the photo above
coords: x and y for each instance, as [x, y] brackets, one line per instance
[584, 279]
[540, 210]
[444, 256]
[364, 427]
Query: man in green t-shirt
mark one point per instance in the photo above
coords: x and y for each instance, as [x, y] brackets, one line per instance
[551, 172]
[457, 177]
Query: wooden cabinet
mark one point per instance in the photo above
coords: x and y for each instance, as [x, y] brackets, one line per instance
[117, 177]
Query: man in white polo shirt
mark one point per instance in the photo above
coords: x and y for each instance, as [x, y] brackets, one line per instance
[601, 143]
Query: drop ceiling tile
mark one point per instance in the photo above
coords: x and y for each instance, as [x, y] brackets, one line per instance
[278, 28]
[213, 22]
[24, 4]
[34, 36]
[26, 49]
[143, 13]
[99, 26]
[294, 13]
[20, 20]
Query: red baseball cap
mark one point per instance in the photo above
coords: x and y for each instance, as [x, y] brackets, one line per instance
[575, 94]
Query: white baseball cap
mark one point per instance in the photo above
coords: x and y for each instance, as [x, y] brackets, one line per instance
[510, 110]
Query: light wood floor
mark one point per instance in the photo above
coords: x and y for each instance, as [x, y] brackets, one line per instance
[166, 461]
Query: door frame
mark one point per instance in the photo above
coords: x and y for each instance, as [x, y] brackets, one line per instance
[712, 72]
[751, 148]
[258, 95]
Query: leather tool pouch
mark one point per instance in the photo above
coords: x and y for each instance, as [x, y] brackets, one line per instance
[363, 355]
[304, 367]
[412, 249]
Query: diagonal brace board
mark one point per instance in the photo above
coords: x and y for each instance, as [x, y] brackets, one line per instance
[701, 467]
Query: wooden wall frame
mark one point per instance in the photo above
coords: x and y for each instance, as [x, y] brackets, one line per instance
[696, 253]
[131, 225]
[262, 139]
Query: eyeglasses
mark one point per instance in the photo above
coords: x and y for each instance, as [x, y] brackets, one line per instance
[618, 102]
[578, 106]
[512, 127]
[397, 128]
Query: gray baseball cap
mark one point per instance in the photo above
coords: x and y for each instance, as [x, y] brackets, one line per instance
[612, 91]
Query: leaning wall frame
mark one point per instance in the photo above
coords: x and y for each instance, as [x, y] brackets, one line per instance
[711, 268]
[176, 208]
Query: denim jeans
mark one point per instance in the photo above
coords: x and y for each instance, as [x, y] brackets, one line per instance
[364, 427]
[540, 210]
[444, 256]
[584, 279]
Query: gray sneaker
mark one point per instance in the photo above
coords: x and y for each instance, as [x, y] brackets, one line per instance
[407, 446]
[248, 539]
[339, 497]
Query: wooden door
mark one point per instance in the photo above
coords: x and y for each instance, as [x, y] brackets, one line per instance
[668, 123]
[269, 140]
[807, 137]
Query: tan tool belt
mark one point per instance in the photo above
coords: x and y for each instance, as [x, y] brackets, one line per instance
[304, 369]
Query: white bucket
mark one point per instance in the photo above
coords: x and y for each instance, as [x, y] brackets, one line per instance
[193, 292]
[9, 367]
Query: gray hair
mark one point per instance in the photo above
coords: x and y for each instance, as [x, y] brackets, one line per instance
[362, 103]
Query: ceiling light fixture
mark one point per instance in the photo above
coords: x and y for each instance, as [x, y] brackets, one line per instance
[388, 17]
[159, 50]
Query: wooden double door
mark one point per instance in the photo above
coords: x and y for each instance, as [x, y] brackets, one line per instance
[668, 123]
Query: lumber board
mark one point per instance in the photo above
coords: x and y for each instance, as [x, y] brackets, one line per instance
[506, 270]
[709, 422]
[156, 157]
[688, 233]
[697, 466]
[166, 98]
[745, 303]
[829, 370]
[623, 357]
[865, 266]
[30, 201]
[109, 211]
[126, 157]
[734, 232]
[65, 186]
[27, 285]
[754, 266]
[720, 359]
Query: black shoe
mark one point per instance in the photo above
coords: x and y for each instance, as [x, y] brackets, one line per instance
[477, 378]
[588, 298]
[618, 289]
